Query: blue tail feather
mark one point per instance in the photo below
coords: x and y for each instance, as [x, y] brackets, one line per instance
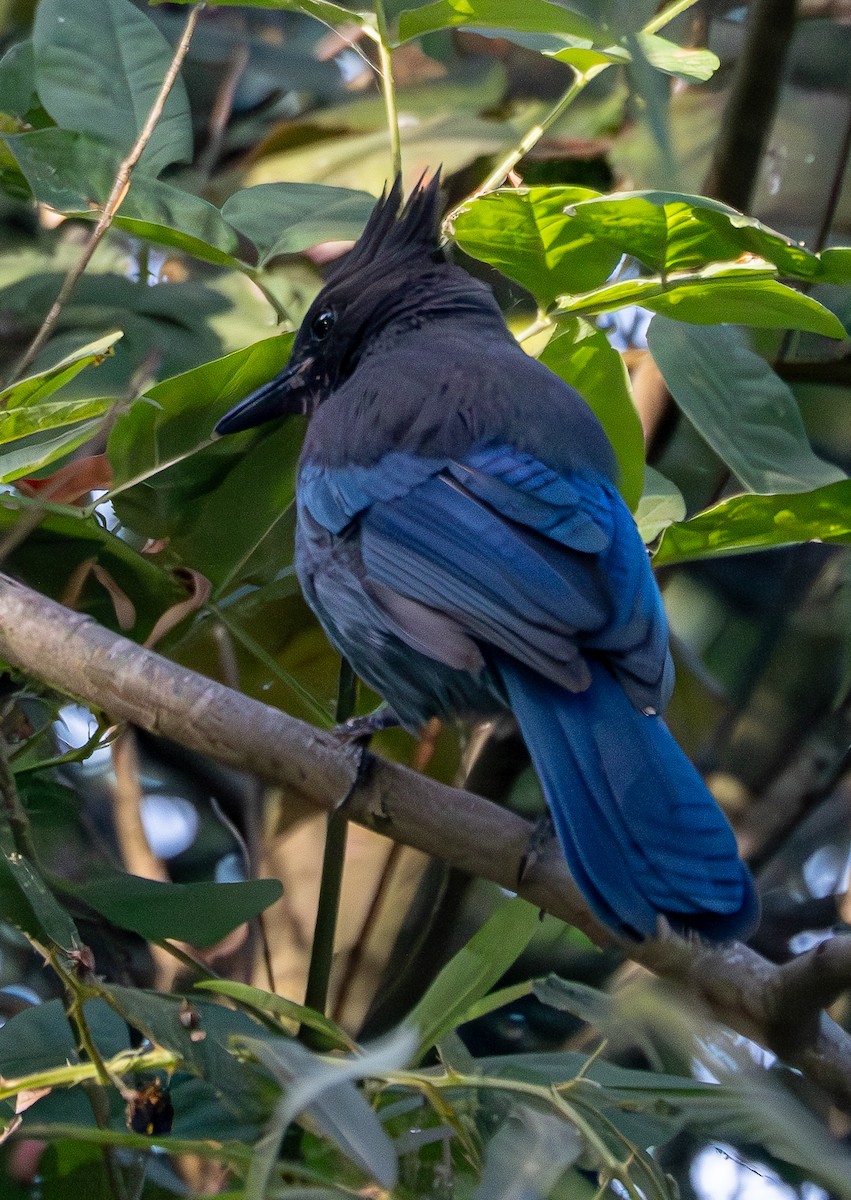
[641, 833]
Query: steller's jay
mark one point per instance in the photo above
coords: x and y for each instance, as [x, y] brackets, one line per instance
[462, 541]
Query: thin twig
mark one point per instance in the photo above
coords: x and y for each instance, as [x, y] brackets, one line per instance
[115, 198]
[222, 109]
[533, 135]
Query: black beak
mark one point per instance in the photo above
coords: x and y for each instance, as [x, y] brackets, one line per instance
[286, 395]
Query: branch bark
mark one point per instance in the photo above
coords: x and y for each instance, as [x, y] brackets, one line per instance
[70, 652]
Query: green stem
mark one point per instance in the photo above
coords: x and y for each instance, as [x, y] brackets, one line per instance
[532, 136]
[540, 323]
[388, 89]
[96, 1089]
[667, 15]
[18, 500]
[333, 861]
[13, 809]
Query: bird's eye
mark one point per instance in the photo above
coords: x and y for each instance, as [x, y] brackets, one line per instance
[323, 323]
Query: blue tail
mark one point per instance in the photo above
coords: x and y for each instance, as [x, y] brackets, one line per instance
[640, 831]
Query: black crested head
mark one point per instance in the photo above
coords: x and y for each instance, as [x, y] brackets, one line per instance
[395, 278]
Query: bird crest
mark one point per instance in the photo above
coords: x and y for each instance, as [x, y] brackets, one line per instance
[398, 234]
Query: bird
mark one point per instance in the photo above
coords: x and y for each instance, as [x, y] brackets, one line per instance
[461, 538]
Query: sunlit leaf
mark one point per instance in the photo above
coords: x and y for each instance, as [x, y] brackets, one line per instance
[725, 294]
[525, 233]
[685, 62]
[673, 231]
[37, 387]
[751, 522]
[741, 407]
[533, 16]
[660, 505]
[583, 357]
[39, 450]
[99, 68]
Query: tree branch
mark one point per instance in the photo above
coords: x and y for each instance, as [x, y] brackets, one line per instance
[72, 653]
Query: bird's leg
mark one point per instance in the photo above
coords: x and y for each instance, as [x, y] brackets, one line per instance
[362, 729]
[542, 835]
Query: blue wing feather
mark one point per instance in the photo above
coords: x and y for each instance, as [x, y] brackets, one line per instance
[548, 577]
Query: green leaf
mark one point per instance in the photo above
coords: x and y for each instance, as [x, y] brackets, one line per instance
[36, 388]
[660, 505]
[227, 535]
[178, 414]
[20, 422]
[566, 240]
[200, 913]
[528, 1155]
[100, 65]
[286, 218]
[360, 160]
[324, 1087]
[168, 473]
[718, 296]
[74, 174]
[49, 922]
[39, 450]
[745, 523]
[533, 16]
[24, 409]
[61, 544]
[525, 233]
[583, 357]
[474, 970]
[739, 405]
[17, 80]
[271, 1004]
[685, 62]
[836, 264]
[674, 231]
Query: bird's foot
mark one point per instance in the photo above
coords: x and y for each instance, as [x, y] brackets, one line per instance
[542, 835]
[362, 729]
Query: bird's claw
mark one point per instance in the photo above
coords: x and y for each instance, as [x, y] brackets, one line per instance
[362, 729]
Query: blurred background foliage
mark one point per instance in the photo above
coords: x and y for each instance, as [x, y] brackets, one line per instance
[273, 144]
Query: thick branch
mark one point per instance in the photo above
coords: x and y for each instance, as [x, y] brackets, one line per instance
[71, 652]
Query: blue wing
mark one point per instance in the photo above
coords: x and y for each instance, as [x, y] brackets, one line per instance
[548, 577]
[543, 567]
